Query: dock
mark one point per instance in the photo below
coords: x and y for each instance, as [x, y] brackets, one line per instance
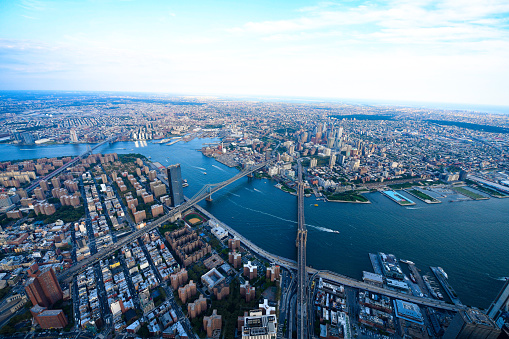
[418, 278]
[398, 198]
[375, 263]
[445, 284]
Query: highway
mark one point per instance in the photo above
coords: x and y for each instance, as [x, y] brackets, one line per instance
[71, 163]
[302, 295]
[205, 192]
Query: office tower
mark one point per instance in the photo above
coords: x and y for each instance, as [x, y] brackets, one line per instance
[332, 161]
[330, 142]
[339, 132]
[74, 136]
[175, 183]
[471, 323]
[500, 305]
[44, 289]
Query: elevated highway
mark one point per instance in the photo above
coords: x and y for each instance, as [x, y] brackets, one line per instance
[204, 193]
[71, 163]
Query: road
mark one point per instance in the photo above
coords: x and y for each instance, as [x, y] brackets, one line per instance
[302, 296]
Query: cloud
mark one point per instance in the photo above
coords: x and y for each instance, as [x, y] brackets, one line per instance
[33, 5]
[422, 22]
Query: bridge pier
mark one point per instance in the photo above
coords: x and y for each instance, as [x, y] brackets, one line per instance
[209, 198]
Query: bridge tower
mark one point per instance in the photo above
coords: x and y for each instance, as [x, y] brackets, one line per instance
[209, 197]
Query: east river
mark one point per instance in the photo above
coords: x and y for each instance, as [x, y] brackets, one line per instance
[469, 239]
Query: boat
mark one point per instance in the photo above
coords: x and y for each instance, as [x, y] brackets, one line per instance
[316, 205]
[412, 277]
[204, 172]
[407, 262]
[185, 184]
[443, 272]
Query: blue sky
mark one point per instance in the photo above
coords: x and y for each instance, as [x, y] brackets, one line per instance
[409, 50]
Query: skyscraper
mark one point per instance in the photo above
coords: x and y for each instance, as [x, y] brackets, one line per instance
[175, 183]
[43, 288]
[74, 136]
[500, 305]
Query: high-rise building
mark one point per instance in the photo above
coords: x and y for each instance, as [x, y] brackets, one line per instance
[74, 136]
[500, 305]
[471, 323]
[332, 161]
[212, 323]
[44, 289]
[175, 183]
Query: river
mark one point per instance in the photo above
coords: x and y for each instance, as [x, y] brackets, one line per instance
[468, 239]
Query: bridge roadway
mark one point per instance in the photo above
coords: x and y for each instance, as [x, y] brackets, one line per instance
[71, 163]
[335, 277]
[302, 295]
[67, 276]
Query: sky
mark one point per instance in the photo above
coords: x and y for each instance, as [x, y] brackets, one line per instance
[454, 51]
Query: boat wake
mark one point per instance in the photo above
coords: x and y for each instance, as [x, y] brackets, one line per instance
[234, 194]
[200, 168]
[219, 168]
[257, 190]
[323, 229]
[414, 208]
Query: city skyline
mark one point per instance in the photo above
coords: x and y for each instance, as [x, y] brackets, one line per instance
[426, 51]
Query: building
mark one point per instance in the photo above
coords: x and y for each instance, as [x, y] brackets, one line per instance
[257, 326]
[247, 291]
[197, 307]
[159, 190]
[221, 291]
[273, 272]
[212, 323]
[234, 244]
[472, 323]
[74, 136]
[235, 259]
[178, 279]
[187, 291]
[139, 216]
[157, 210]
[39, 194]
[48, 318]
[250, 270]
[500, 305]
[175, 183]
[212, 278]
[408, 311]
[43, 289]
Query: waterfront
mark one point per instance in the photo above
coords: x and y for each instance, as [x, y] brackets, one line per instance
[466, 238]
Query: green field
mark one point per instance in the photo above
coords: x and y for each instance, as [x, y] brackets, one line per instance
[490, 191]
[349, 196]
[422, 195]
[468, 193]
